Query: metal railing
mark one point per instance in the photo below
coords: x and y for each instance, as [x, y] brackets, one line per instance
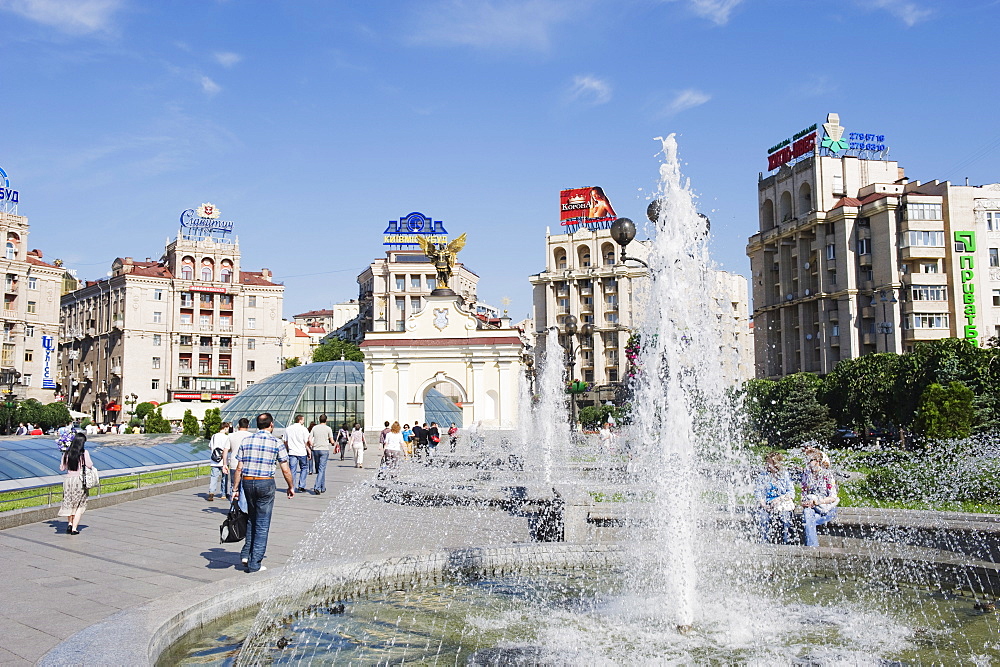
[131, 481]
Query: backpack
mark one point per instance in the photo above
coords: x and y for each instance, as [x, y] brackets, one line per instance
[216, 454]
[342, 437]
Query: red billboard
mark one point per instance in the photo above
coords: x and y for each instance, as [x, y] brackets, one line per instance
[587, 206]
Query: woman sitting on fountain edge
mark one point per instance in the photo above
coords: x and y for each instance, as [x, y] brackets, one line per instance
[819, 494]
[776, 498]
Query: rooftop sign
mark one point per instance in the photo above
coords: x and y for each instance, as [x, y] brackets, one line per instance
[8, 197]
[402, 234]
[862, 145]
[589, 208]
[202, 223]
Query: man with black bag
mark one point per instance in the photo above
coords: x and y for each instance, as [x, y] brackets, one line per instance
[255, 479]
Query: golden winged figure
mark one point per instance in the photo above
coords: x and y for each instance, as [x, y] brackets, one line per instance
[443, 257]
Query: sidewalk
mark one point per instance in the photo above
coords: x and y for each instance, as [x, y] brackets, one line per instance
[56, 584]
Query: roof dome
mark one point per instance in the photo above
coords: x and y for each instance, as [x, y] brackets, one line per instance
[333, 388]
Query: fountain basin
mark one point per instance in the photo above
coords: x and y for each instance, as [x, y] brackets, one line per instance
[141, 635]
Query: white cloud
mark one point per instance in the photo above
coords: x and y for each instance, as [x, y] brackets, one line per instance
[210, 87]
[687, 99]
[75, 16]
[716, 11]
[505, 24]
[909, 13]
[227, 58]
[589, 90]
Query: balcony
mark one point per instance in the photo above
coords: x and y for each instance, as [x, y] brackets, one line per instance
[116, 370]
[204, 372]
[586, 291]
[229, 327]
[864, 260]
[225, 306]
[920, 252]
[185, 326]
[9, 313]
[205, 349]
[226, 372]
[610, 288]
[11, 288]
[118, 324]
[611, 306]
[206, 327]
[868, 338]
[835, 341]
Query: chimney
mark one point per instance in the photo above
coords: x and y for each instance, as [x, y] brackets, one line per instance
[265, 273]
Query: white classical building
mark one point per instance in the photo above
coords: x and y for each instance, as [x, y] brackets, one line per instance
[443, 346]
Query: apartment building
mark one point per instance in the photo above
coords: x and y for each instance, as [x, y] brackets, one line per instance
[852, 257]
[31, 289]
[191, 326]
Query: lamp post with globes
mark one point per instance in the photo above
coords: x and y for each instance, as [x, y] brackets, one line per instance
[623, 232]
[130, 401]
[888, 298]
[571, 330]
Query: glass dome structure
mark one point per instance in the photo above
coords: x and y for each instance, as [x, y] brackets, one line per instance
[333, 388]
[40, 456]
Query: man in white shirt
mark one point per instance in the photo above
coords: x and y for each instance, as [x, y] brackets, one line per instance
[299, 452]
[232, 448]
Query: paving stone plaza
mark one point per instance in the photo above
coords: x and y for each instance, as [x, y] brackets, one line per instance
[55, 585]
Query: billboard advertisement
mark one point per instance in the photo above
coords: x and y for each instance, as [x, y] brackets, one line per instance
[589, 207]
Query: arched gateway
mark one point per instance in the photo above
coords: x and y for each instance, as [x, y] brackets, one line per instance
[442, 349]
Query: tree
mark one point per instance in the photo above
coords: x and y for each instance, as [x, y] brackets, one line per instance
[292, 362]
[594, 416]
[335, 348]
[945, 412]
[190, 424]
[56, 415]
[941, 362]
[155, 423]
[212, 422]
[861, 392]
[787, 413]
[144, 410]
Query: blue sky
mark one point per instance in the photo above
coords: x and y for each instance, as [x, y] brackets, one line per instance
[311, 124]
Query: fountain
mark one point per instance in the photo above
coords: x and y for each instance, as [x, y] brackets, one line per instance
[669, 572]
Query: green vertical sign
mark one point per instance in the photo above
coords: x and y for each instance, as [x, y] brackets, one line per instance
[965, 246]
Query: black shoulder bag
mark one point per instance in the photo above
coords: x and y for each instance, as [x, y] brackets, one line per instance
[234, 528]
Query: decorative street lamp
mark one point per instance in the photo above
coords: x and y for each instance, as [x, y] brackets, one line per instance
[130, 401]
[9, 377]
[885, 327]
[623, 231]
[529, 372]
[571, 330]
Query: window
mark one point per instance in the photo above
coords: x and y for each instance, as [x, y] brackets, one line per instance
[26, 379]
[400, 283]
[187, 272]
[415, 304]
[226, 300]
[993, 221]
[864, 246]
[156, 362]
[923, 212]
[184, 363]
[226, 342]
[205, 320]
[249, 382]
[251, 365]
[925, 239]
[33, 306]
[928, 293]
[994, 261]
[432, 282]
[226, 275]
[29, 331]
[29, 355]
[207, 300]
[831, 251]
[157, 295]
[32, 282]
[868, 275]
[154, 383]
[251, 302]
[996, 297]
[185, 319]
[158, 317]
[929, 320]
[928, 267]
[251, 323]
[834, 329]
[206, 273]
[400, 304]
[185, 339]
[11, 251]
[157, 340]
[414, 282]
[251, 343]
[187, 300]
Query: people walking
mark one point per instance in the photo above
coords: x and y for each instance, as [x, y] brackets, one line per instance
[217, 483]
[420, 440]
[74, 502]
[320, 438]
[382, 434]
[433, 439]
[297, 442]
[254, 478]
[392, 450]
[357, 443]
[453, 436]
[407, 442]
[343, 435]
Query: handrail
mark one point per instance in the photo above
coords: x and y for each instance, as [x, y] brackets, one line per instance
[51, 489]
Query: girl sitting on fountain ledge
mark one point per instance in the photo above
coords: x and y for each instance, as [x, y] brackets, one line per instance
[776, 498]
[819, 494]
